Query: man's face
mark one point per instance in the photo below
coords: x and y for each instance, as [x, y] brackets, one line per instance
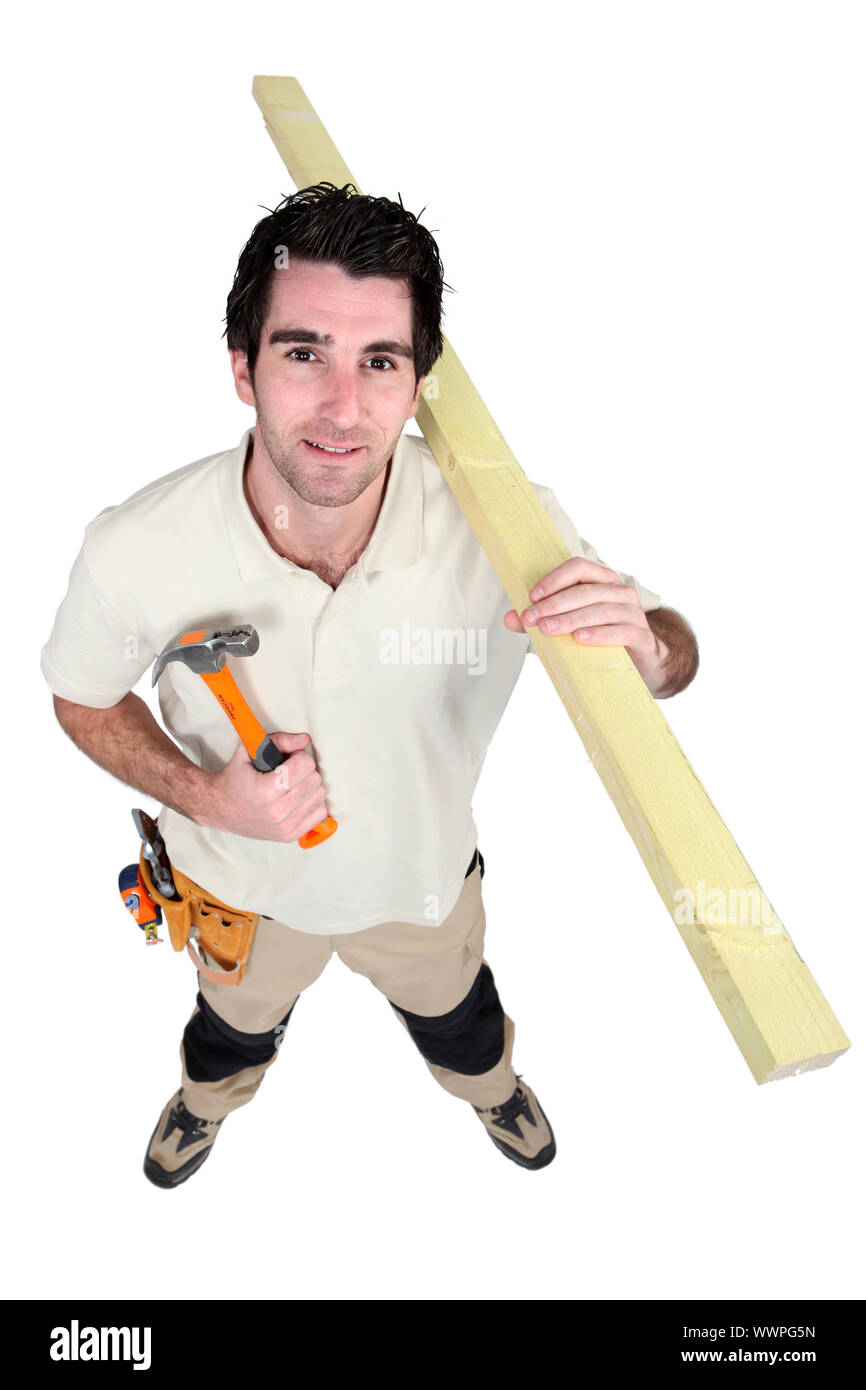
[334, 368]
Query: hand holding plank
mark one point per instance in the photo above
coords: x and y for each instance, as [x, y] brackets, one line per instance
[591, 602]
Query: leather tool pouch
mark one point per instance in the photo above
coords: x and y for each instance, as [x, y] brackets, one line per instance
[224, 932]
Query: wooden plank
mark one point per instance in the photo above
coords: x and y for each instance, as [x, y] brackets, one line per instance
[308, 151]
[774, 1009]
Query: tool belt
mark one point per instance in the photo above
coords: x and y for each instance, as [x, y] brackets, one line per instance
[226, 933]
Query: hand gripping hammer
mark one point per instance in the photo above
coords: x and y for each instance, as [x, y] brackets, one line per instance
[206, 653]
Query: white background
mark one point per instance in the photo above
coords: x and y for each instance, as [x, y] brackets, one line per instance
[653, 216]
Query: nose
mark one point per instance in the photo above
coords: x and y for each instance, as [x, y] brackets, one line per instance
[340, 398]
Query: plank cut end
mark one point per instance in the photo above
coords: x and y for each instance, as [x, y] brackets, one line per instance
[822, 1059]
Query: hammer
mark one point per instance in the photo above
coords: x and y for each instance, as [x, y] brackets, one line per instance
[206, 653]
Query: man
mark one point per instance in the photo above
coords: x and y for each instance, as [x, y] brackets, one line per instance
[335, 535]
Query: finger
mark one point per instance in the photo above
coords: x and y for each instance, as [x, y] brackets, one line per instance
[289, 743]
[302, 801]
[512, 621]
[308, 814]
[580, 596]
[293, 772]
[612, 635]
[310, 805]
[575, 570]
[593, 615]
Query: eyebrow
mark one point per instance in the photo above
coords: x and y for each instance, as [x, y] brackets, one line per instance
[307, 335]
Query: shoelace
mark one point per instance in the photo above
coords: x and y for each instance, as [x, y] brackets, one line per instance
[185, 1120]
[515, 1106]
[509, 1108]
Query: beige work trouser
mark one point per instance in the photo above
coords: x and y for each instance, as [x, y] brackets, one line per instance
[425, 970]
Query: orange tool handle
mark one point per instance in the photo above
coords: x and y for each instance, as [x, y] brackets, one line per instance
[260, 746]
[223, 685]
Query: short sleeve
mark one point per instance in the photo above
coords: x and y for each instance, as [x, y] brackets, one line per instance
[647, 598]
[94, 655]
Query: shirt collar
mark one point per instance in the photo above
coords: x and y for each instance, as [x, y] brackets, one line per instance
[394, 544]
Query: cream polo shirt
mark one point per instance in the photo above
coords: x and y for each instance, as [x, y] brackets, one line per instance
[400, 676]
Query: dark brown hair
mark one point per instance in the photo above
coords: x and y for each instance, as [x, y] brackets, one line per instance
[360, 234]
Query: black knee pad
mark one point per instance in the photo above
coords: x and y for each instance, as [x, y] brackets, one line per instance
[214, 1050]
[471, 1038]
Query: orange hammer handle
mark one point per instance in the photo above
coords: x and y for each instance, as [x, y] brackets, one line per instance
[223, 685]
[260, 746]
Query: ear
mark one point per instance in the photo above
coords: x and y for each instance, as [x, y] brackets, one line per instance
[414, 409]
[241, 374]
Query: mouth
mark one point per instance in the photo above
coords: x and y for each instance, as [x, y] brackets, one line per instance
[334, 451]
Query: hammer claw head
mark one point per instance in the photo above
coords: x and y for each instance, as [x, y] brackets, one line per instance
[206, 652]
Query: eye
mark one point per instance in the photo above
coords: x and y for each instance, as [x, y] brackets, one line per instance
[383, 361]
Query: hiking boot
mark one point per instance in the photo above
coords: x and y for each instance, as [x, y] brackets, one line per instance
[519, 1128]
[179, 1145]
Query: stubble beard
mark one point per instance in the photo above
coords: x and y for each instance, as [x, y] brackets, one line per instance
[325, 484]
